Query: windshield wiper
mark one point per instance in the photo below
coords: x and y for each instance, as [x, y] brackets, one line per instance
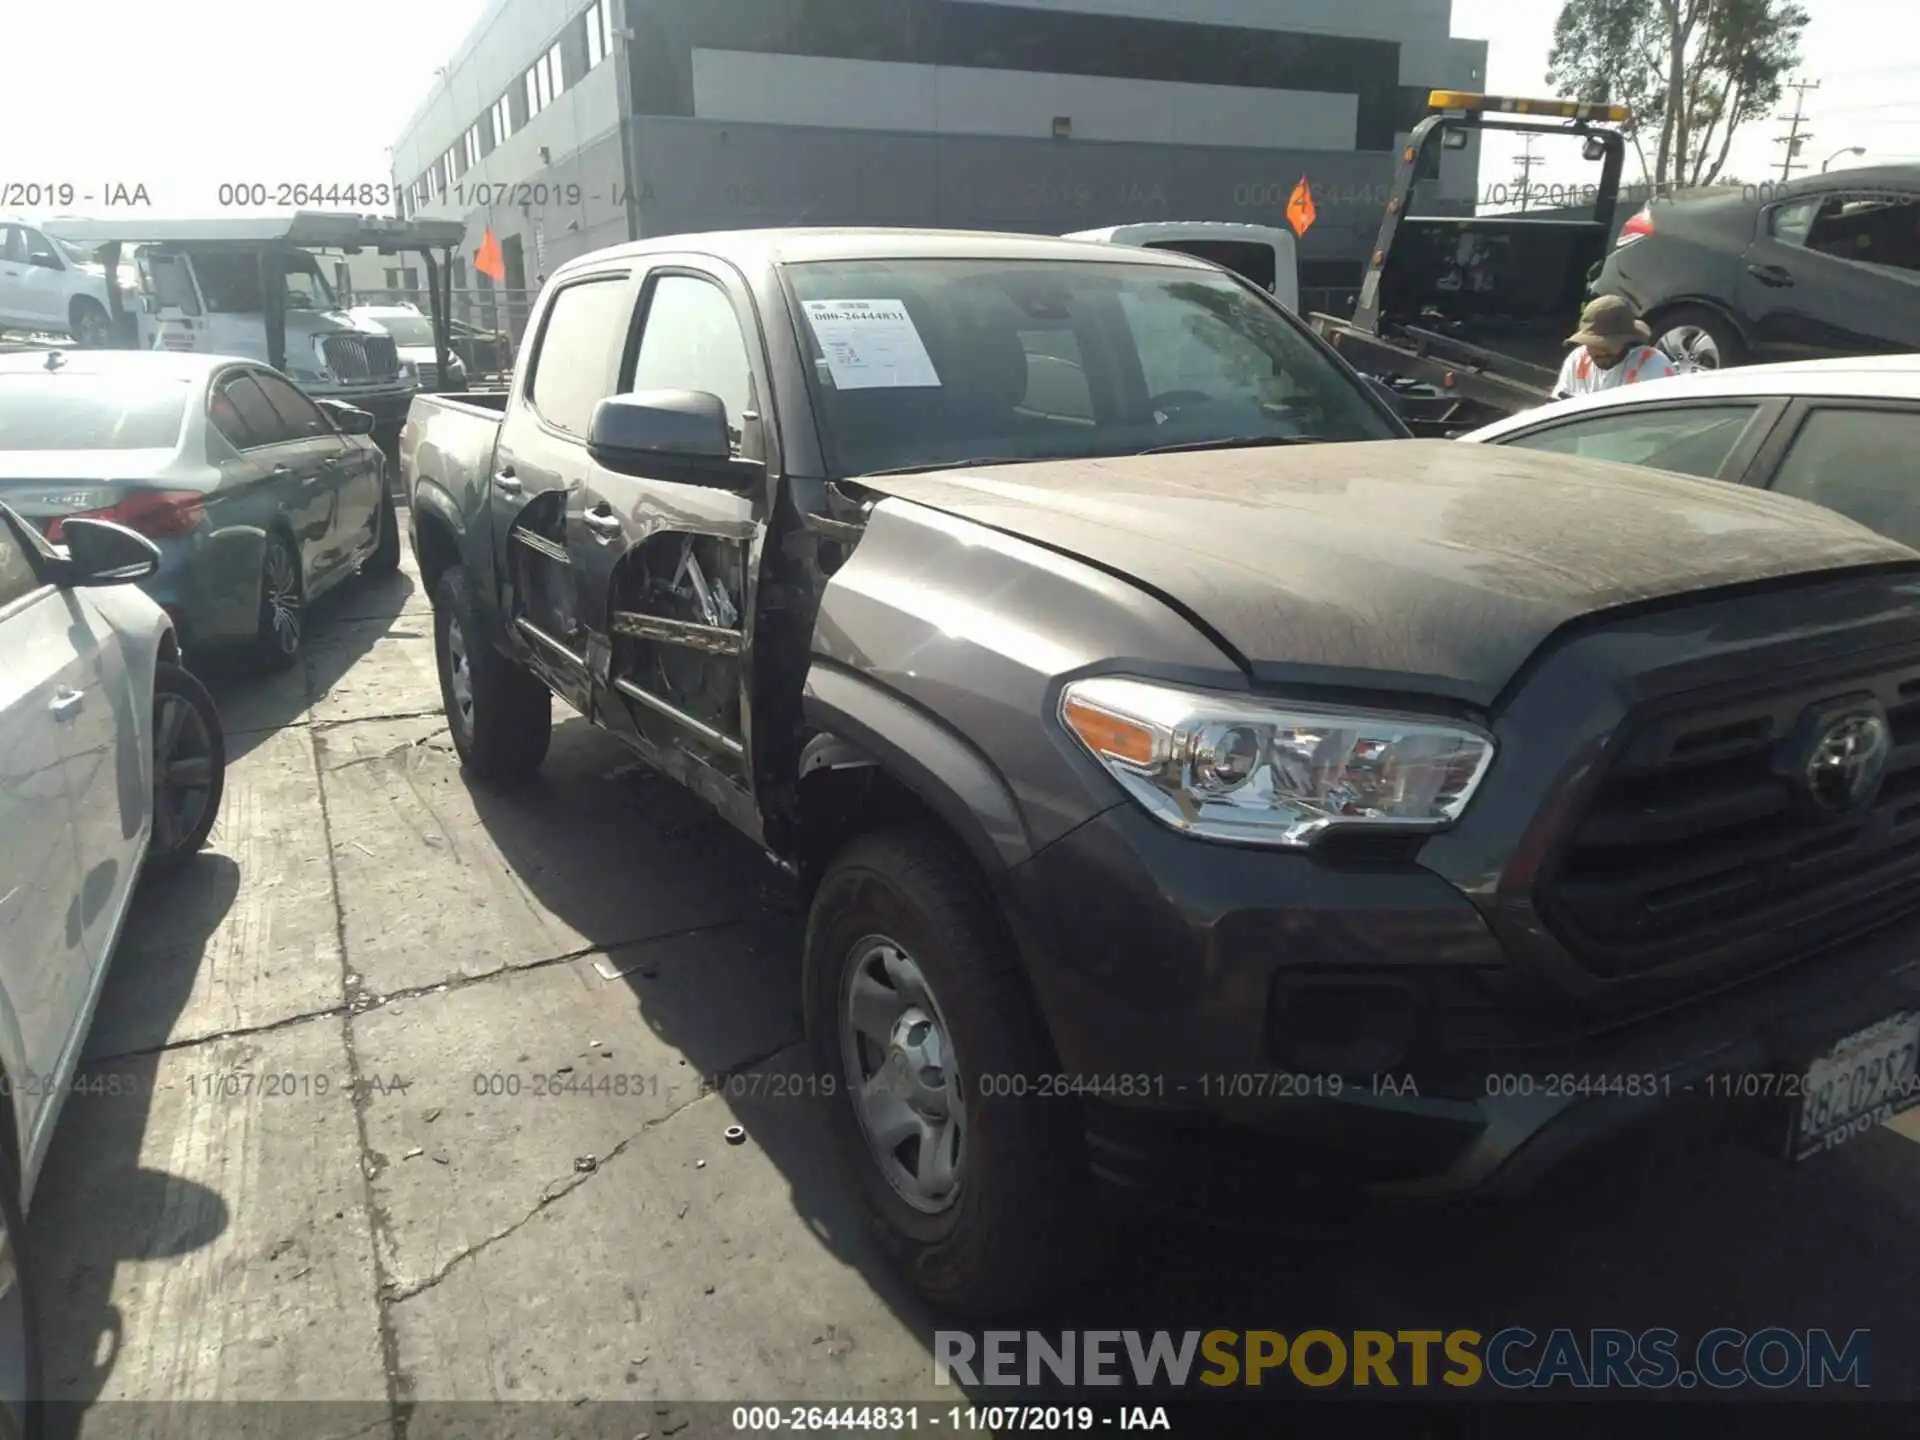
[968, 464]
[1236, 442]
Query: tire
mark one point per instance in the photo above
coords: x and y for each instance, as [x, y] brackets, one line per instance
[280, 637]
[385, 559]
[1017, 1223]
[190, 777]
[20, 1414]
[505, 723]
[88, 324]
[1694, 335]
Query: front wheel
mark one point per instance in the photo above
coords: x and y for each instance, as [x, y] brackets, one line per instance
[974, 1183]
[500, 715]
[88, 324]
[189, 768]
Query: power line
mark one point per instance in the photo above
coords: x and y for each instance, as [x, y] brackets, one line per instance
[1795, 136]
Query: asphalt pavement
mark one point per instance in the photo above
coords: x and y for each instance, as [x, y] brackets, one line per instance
[409, 1091]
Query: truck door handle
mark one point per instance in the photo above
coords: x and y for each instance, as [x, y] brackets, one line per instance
[602, 521]
[1776, 275]
[506, 484]
[67, 702]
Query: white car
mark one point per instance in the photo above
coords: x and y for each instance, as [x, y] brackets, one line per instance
[1838, 433]
[112, 764]
[49, 288]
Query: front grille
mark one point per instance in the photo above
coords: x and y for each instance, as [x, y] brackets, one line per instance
[1693, 847]
[361, 357]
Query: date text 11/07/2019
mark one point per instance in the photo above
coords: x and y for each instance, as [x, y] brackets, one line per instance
[958, 1419]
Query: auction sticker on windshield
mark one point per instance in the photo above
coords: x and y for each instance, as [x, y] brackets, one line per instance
[1866, 1079]
[869, 344]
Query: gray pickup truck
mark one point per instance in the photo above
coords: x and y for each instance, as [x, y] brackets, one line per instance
[1192, 778]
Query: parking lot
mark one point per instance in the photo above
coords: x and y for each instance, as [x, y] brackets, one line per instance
[312, 1158]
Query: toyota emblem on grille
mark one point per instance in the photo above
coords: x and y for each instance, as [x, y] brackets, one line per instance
[1848, 755]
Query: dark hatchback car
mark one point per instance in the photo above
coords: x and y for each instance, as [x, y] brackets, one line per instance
[1816, 268]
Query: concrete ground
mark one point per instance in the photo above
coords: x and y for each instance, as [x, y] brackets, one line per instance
[324, 1160]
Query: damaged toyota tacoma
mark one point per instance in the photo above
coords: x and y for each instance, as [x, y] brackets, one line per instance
[1191, 776]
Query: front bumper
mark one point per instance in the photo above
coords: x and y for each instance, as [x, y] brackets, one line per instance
[1354, 1013]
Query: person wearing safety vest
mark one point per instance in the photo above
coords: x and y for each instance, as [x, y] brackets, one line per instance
[1612, 350]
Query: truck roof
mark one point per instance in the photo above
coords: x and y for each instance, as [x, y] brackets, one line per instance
[339, 230]
[799, 245]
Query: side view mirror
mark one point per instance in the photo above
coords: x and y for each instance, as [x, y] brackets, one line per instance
[1454, 140]
[677, 434]
[149, 304]
[1594, 149]
[99, 552]
[44, 260]
[348, 419]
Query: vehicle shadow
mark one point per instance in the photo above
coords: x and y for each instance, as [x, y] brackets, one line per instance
[100, 1201]
[1677, 1224]
[342, 627]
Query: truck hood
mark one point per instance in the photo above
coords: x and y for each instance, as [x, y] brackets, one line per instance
[1411, 564]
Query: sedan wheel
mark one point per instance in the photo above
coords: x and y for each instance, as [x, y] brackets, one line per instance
[1691, 348]
[276, 643]
[189, 767]
[903, 1075]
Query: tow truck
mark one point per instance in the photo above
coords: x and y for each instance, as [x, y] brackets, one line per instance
[1464, 319]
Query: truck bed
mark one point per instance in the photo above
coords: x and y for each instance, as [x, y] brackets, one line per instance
[448, 443]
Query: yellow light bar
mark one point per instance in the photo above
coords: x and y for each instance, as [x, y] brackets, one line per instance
[1509, 105]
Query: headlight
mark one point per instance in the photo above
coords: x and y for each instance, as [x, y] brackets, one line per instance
[1263, 773]
[406, 369]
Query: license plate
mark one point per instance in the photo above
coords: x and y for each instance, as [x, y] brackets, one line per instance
[1866, 1079]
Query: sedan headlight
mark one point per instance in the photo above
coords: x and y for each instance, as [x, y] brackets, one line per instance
[1263, 773]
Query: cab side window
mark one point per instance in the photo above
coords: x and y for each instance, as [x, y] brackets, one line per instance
[691, 340]
[579, 352]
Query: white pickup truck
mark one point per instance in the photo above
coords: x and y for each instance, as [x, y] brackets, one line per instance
[1261, 253]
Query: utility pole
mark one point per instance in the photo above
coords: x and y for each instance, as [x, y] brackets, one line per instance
[1526, 160]
[1795, 136]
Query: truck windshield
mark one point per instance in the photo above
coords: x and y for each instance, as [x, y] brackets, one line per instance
[230, 279]
[932, 362]
[90, 412]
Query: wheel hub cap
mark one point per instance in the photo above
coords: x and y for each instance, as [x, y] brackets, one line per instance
[182, 771]
[459, 676]
[903, 1073]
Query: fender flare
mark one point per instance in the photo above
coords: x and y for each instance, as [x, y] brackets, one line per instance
[862, 723]
[430, 498]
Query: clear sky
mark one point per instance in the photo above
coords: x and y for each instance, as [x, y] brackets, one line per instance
[186, 96]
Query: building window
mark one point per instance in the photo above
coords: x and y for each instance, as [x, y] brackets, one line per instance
[543, 82]
[599, 32]
[502, 121]
[473, 147]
